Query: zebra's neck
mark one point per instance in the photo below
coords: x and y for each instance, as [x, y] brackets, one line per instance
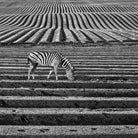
[65, 63]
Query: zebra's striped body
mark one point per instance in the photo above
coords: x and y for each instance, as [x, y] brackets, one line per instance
[53, 59]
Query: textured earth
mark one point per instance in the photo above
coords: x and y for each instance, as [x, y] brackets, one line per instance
[100, 39]
[44, 21]
[103, 98]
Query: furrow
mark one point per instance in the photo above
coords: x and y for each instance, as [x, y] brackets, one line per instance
[67, 102]
[26, 36]
[69, 131]
[36, 37]
[68, 116]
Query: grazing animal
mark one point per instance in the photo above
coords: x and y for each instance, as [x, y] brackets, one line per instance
[53, 59]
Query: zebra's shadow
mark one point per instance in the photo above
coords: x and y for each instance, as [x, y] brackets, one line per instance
[40, 77]
[83, 78]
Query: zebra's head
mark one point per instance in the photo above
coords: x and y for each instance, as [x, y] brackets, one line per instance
[70, 74]
[69, 68]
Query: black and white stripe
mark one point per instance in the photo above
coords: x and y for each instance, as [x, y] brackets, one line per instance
[53, 59]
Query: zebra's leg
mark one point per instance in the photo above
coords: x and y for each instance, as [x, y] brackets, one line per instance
[29, 71]
[50, 72]
[33, 70]
[55, 70]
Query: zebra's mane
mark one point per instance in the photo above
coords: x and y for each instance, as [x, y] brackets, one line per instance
[66, 61]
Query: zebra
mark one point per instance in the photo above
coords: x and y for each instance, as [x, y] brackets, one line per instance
[53, 59]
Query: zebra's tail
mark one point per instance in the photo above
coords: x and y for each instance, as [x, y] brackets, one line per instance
[28, 60]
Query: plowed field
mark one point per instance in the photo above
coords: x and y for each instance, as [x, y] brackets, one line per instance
[47, 21]
[102, 101]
